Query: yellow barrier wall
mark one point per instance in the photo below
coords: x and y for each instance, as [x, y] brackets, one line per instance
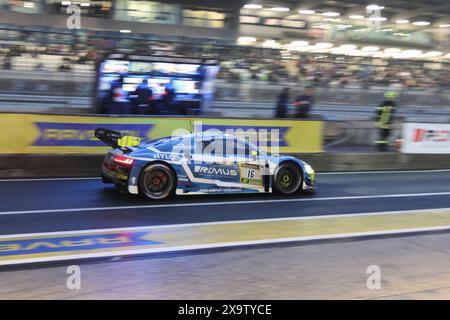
[60, 134]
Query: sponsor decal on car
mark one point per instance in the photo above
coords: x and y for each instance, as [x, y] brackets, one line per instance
[216, 171]
[250, 174]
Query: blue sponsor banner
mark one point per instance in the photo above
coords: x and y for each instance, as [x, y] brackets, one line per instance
[264, 133]
[74, 243]
[82, 134]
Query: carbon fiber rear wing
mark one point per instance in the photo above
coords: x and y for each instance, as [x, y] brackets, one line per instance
[110, 137]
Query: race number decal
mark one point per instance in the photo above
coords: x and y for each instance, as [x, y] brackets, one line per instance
[250, 174]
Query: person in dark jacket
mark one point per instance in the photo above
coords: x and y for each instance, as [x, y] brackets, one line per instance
[304, 103]
[384, 115]
[283, 100]
[144, 97]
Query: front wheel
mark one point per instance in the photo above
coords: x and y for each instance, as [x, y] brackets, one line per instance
[287, 179]
[157, 181]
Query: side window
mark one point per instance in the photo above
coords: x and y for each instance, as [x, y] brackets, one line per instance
[214, 146]
[183, 145]
[241, 149]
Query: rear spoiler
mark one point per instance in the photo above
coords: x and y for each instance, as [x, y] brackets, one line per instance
[110, 137]
[115, 139]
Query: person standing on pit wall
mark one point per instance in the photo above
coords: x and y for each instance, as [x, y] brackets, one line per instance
[304, 103]
[283, 100]
[384, 113]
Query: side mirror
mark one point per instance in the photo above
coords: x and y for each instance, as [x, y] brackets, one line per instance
[187, 155]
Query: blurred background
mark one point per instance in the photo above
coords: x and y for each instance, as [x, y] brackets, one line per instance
[238, 57]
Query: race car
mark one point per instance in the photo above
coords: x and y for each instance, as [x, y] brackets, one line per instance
[199, 163]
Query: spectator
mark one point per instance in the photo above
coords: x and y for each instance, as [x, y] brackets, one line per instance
[7, 63]
[144, 97]
[283, 100]
[304, 103]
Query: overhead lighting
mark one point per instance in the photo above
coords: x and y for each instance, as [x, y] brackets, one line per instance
[331, 14]
[332, 19]
[377, 19]
[421, 23]
[392, 50]
[403, 21]
[444, 26]
[348, 47]
[433, 54]
[401, 34]
[447, 56]
[66, 3]
[125, 31]
[300, 43]
[27, 4]
[386, 30]
[253, 6]
[280, 9]
[306, 11]
[356, 17]
[246, 40]
[271, 44]
[374, 7]
[343, 26]
[323, 45]
[370, 49]
[381, 55]
[323, 26]
[410, 53]
[85, 4]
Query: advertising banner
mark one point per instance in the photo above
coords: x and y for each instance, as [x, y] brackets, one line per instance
[426, 138]
[61, 134]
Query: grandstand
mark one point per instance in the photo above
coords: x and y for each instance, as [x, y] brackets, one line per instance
[262, 47]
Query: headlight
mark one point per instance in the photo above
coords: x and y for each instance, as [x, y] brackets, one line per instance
[309, 169]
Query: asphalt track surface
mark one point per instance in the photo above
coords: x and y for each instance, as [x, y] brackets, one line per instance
[49, 205]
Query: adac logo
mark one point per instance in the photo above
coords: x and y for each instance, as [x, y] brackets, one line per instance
[423, 135]
[266, 135]
[82, 134]
[74, 243]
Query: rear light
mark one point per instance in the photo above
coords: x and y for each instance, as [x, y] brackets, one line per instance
[123, 160]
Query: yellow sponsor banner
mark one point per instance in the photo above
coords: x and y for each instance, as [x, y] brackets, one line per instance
[64, 134]
[60, 134]
[291, 136]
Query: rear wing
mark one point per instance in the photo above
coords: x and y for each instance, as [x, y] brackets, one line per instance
[110, 137]
[115, 139]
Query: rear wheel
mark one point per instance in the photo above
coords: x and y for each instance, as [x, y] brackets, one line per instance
[287, 179]
[157, 181]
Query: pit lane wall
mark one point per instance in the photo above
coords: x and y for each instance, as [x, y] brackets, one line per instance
[66, 134]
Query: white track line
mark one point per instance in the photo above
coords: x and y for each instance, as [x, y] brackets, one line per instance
[199, 204]
[318, 173]
[223, 245]
[384, 171]
[196, 224]
[48, 179]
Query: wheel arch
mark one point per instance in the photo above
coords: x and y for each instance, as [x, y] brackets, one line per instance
[156, 162]
[297, 163]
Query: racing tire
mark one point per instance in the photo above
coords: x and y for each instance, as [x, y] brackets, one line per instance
[288, 178]
[157, 182]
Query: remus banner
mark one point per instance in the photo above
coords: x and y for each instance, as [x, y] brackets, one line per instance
[61, 134]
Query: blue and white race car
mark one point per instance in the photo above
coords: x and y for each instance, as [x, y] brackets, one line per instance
[198, 163]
